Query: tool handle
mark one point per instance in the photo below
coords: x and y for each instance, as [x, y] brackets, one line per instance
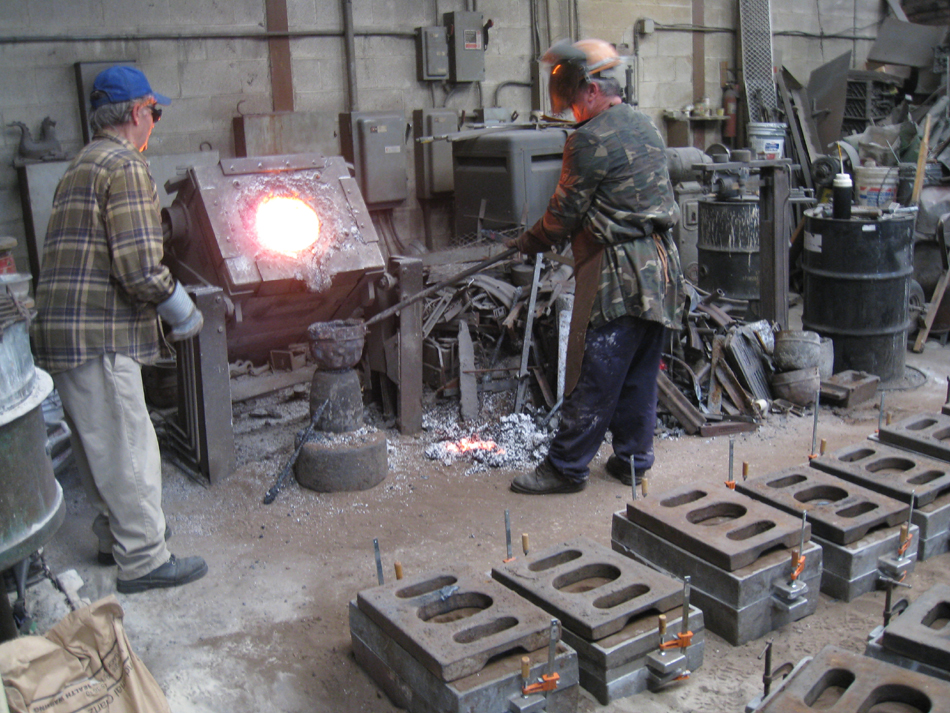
[271, 494]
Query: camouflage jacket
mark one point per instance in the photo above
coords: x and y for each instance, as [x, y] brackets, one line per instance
[614, 191]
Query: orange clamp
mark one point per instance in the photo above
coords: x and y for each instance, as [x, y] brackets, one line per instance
[903, 548]
[682, 641]
[798, 562]
[731, 484]
[548, 682]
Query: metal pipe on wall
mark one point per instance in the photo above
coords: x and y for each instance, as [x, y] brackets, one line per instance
[184, 37]
[350, 43]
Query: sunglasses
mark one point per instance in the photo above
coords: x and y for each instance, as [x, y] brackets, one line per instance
[156, 112]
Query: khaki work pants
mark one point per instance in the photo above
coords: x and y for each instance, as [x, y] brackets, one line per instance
[118, 458]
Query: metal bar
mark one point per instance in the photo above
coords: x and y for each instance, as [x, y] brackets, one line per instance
[773, 241]
[379, 562]
[350, 45]
[278, 49]
[528, 335]
[409, 274]
[684, 628]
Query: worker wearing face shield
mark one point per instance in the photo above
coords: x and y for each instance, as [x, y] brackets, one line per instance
[615, 205]
[100, 293]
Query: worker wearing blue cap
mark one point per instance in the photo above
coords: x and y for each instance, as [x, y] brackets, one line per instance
[101, 291]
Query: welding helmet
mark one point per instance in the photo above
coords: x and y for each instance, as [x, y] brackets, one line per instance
[573, 66]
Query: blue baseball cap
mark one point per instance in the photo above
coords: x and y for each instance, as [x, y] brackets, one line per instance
[122, 84]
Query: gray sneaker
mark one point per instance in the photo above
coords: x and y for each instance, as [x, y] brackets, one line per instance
[173, 573]
[545, 480]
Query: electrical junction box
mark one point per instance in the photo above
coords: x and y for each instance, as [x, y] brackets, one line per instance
[466, 38]
[434, 178]
[515, 172]
[374, 143]
[432, 54]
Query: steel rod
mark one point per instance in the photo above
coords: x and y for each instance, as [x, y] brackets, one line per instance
[379, 561]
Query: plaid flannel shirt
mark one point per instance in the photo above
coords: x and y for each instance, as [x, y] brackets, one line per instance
[102, 273]
[615, 190]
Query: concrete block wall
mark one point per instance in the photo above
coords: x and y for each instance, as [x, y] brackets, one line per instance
[210, 57]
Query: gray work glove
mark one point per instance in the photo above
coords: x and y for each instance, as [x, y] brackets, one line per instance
[180, 312]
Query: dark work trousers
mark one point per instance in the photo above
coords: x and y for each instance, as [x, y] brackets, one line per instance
[616, 391]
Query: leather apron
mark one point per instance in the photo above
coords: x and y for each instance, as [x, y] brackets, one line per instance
[588, 255]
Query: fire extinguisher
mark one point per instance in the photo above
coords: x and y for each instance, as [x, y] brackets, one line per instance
[730, 104]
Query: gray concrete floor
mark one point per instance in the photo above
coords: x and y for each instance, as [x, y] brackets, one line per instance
[267, 628]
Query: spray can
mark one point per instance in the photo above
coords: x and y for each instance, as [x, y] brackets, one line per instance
[841, 194]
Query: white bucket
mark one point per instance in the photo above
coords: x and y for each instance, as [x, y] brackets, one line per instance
[767, 141]
[877, 185]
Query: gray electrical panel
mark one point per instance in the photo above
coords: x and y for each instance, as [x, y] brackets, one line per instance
[432, 54]
[434, 178]
[466, 46]
[515, 172]
[374, 143]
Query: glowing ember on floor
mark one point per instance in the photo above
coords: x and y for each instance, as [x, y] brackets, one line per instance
[472, 443]
[469, 448]
[286, 225]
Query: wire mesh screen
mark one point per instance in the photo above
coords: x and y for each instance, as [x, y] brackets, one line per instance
[487, 236]
[755, 25]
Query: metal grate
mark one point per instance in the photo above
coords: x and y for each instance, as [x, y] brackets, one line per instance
[755, 17]
[487, 237]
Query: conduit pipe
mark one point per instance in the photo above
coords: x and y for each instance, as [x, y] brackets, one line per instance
[350, 44]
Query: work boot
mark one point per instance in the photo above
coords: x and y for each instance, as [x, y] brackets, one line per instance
[621, 471]
[107, 559]
[544, 480]
[173, 573]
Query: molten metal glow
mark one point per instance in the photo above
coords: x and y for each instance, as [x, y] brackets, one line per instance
[467, 444]
[286, 225]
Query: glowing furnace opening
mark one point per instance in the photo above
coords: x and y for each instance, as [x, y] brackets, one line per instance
[286, 225]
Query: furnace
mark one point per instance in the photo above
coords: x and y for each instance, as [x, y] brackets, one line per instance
[288, 238]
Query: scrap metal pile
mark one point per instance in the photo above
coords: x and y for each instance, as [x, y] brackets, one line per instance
[487, 335]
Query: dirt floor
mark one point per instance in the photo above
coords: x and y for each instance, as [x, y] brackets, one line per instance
[267, 629]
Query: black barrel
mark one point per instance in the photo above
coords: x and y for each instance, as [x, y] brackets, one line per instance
[857, 279]
[728, 247]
